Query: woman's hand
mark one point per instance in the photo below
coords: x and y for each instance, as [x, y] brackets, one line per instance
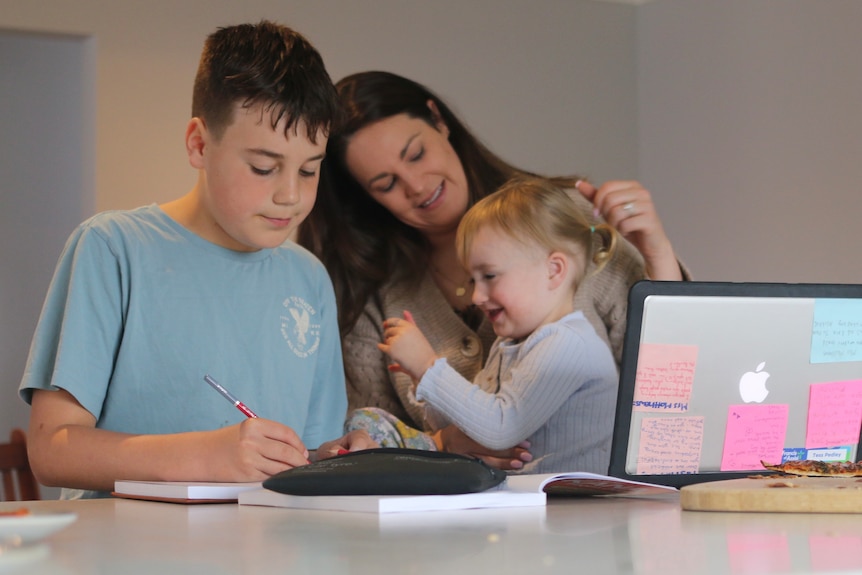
[454, 440]
[628, 207]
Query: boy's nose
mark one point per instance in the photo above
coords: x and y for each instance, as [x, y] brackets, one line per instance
[287, 194]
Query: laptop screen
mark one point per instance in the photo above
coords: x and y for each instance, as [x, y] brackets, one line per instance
[719, 377]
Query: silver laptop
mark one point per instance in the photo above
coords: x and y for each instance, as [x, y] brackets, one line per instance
[718, 377]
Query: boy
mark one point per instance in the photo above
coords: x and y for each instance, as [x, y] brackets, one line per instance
[146, 302]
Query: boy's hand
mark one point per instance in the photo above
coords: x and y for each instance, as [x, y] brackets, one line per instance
[409, 349]
[254, 450]
[356, 440]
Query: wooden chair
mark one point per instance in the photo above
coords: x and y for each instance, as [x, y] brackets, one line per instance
[19, 484]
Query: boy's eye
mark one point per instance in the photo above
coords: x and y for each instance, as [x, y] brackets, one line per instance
[307, 173]
[262, 171]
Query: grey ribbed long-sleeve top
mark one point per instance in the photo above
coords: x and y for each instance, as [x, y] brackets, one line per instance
[557, 388]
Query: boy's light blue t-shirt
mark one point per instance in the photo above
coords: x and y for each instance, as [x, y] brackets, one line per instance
[140, 309]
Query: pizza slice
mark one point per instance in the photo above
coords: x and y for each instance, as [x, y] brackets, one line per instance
[814, 468]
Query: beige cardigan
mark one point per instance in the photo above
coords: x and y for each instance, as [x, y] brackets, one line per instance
[603, 297]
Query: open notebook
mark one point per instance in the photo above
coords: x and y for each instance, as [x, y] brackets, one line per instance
[716, 377]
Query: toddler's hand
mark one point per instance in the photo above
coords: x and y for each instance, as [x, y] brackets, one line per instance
[409, 349]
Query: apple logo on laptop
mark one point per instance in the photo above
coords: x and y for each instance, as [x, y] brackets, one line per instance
[752, 385]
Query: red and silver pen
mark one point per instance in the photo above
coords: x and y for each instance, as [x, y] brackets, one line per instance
[229, 396]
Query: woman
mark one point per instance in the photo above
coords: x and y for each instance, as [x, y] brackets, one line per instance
[399, 174]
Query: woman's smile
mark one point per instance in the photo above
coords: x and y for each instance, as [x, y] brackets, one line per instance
[434, 197]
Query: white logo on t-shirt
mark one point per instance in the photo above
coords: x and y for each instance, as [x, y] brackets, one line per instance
[299, 329]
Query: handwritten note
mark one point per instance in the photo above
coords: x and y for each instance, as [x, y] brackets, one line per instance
[834, 414]
[664, 377]
[670, 445]
[836, 334]
[754, 432]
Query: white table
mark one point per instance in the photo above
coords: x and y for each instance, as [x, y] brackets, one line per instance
[592, 536]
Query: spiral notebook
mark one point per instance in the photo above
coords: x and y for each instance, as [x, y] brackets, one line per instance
[717, 377]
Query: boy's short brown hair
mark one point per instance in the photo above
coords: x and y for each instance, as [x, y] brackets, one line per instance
[267, 64]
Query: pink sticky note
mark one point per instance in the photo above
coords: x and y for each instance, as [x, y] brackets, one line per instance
[669, 445]
[834, 414]
[754, 432]
[664, 377]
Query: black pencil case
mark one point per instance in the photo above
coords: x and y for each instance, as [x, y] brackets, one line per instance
[388, 471]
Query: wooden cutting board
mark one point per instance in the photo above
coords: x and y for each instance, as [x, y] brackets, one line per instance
[776, 494]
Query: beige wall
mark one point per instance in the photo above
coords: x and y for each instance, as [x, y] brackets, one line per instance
[750, 119]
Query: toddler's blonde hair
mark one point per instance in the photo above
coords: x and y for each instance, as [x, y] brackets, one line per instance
[535, 211]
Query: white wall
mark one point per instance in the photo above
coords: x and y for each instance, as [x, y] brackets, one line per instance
[750, 117]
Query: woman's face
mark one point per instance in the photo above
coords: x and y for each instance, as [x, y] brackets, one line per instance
[410, 168]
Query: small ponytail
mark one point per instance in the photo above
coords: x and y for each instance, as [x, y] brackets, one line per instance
[604, 249]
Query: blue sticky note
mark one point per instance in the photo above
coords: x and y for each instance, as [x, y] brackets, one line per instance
[794, 454]
[836, 334]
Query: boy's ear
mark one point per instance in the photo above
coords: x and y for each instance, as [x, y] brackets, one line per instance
[196, 139]
[558, 269]
[438, 119]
